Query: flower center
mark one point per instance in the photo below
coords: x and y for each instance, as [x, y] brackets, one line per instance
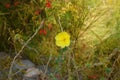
[64, 39]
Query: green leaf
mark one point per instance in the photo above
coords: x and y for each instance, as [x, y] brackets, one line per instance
[108, 70]
[68, 15]
[88, 65]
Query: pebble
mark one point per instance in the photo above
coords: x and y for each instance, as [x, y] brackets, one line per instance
[32, 72]
[24, 64]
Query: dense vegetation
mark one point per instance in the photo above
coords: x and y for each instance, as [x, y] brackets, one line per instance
[30, 28]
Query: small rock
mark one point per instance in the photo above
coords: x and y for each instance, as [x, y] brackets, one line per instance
[24, 64]
[32, 72]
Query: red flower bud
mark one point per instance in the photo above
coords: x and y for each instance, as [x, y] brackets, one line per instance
[50, 26]
[7, 5]
[48, 4]
[42, 31]
[16, 3]
[37, 12]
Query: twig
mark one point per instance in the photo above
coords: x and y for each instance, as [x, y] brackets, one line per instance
[60, 24]
[46, 67]
[68, 65]
[50, 57]
[11, 66]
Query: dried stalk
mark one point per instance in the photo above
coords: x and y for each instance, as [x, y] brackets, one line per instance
[12, 63]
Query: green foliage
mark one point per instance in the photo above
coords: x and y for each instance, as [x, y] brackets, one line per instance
[94, 27]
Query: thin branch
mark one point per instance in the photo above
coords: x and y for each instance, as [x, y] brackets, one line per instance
[46, 67]
[60, 24]
[11, 66]
[50, 57]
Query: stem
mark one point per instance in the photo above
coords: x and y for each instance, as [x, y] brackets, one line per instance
[12, 63]
[60, 24]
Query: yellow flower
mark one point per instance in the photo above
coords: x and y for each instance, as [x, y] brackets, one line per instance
[62, 39]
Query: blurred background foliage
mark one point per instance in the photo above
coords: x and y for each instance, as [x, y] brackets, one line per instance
[94, 26]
